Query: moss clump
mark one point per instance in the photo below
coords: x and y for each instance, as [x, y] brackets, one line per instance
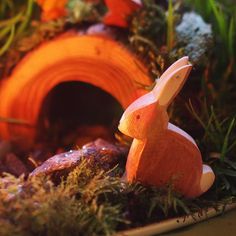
[38, 207]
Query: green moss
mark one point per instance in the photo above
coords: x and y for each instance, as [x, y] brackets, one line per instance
[38, 207]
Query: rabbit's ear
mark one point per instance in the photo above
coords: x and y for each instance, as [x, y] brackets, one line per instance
[171, 85]
[175, 66]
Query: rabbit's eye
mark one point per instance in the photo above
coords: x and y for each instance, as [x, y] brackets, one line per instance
[138, 117]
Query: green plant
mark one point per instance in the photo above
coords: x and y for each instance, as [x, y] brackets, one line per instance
[219, 145]
[13, 27]
[221, 14]
[170, 26]
[38, 207]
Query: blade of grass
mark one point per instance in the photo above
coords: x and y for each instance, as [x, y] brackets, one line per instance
[7, 24]
[183, 206]
[5, 31]
[220, 18]
[232, 146]
[206, 109]
[226, 182]
[215, 131]
[196, 116]
[8, 42]
[207, 8]
[12, 20]
[28, 14]
[143, 40]
[231, 163]
[231, 39]
[213, 128]
[224, 171]
[170, 26]
[13, 121]
[226, 139]
[223, 121]
[208, 126]
[216, 121]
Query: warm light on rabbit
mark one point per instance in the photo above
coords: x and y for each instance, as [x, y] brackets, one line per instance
[162, 153]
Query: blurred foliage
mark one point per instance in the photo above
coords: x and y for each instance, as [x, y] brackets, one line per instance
[80, 11]
[13, 21]
[21, 31]
[222, 16]
[21, 28]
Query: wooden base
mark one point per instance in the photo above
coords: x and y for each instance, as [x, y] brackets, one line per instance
[176, 223]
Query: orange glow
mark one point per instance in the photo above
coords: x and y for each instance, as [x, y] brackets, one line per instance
[52, 9]
[82, 58]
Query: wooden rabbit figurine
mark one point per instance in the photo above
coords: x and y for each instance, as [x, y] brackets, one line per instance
[162, 153]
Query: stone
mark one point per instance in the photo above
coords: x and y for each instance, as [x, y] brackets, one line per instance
[100, 153]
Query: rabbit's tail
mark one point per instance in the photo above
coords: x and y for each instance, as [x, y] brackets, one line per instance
[207, 178]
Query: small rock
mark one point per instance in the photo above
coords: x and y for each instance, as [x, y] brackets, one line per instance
[106, 153]
[60, 162]
[101, 29]
[100, 153]
[195, 36]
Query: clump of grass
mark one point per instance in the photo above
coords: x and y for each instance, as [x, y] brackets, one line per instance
[221, 14]
[12, 27]
[218, 145]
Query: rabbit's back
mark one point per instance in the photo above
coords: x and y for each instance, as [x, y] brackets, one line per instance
[172, 158]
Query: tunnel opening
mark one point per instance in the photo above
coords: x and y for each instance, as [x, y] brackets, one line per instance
[74, 113]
